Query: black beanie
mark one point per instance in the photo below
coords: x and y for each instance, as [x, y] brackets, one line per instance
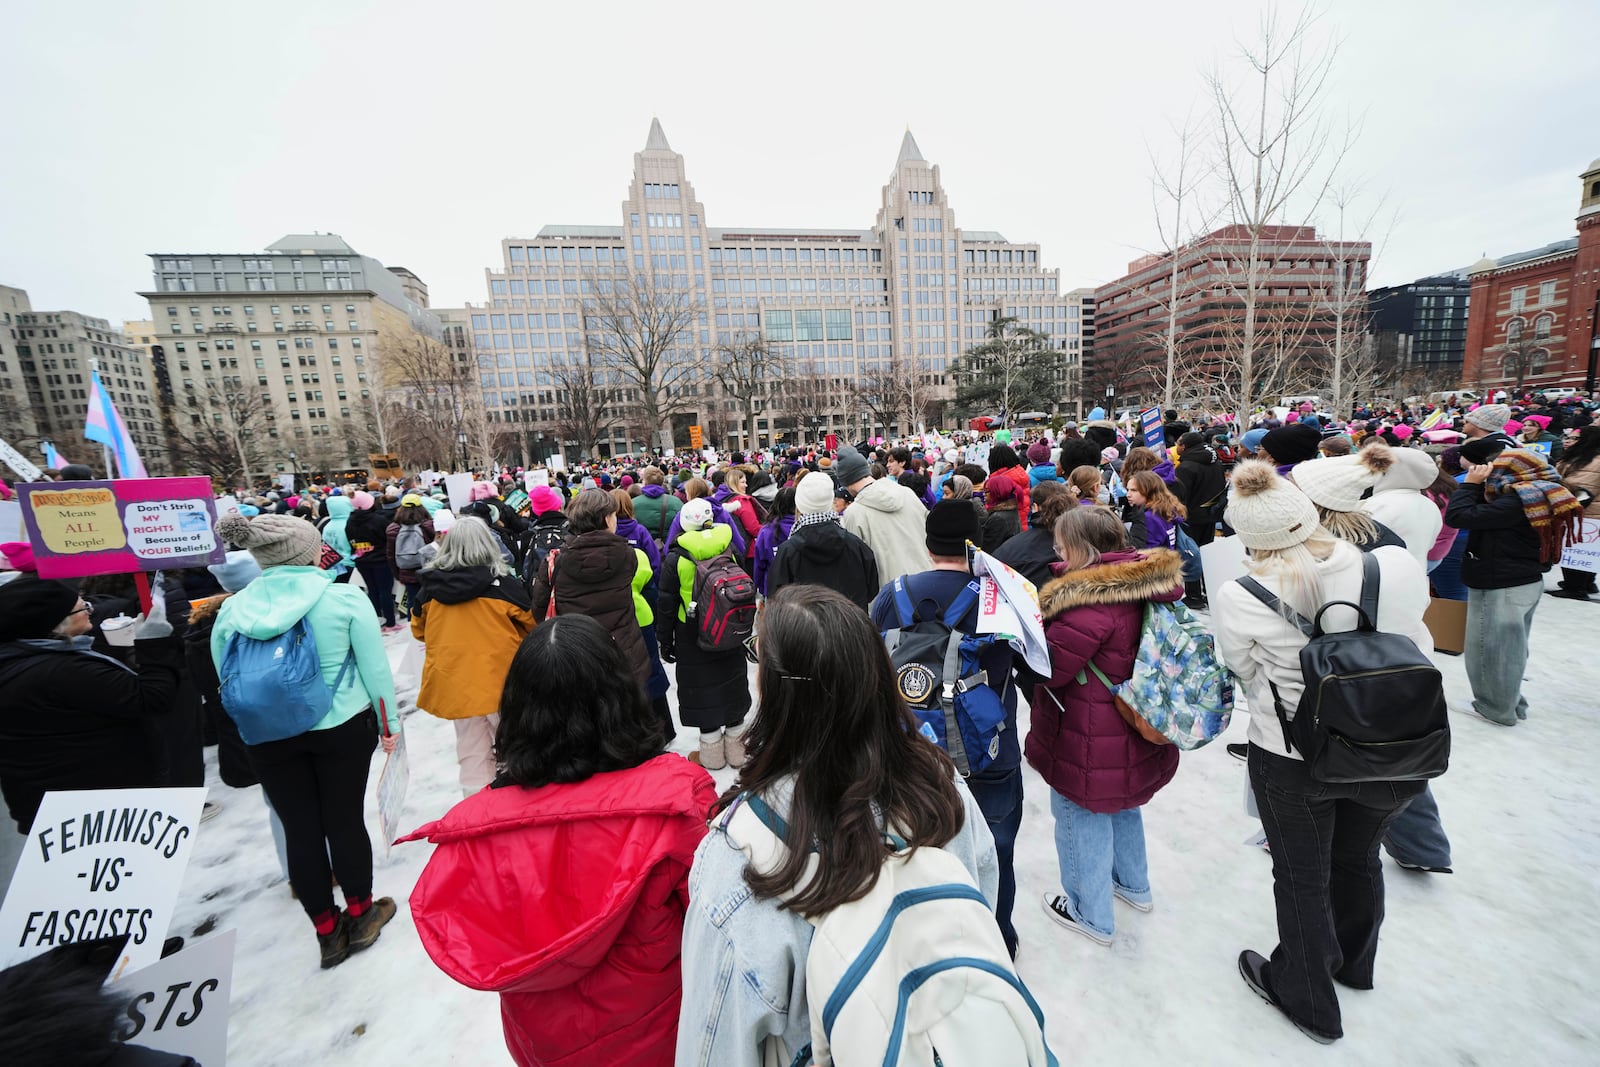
[1292, 444]
[31, 606]
[951, 524]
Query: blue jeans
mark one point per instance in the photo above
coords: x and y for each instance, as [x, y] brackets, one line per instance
[1001, 804]
[1498, 624]
[1417, 836]
[1096, 852]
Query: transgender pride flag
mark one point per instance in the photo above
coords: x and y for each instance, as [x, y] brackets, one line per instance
[106, 426]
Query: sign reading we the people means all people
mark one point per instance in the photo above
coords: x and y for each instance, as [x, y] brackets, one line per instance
[78, 529]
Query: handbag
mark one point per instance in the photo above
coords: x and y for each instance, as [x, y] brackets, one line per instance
[331, 557]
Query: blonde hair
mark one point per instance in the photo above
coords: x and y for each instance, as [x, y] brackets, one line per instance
[1356, 527]
[1297, 569]
[1083, 534]
[1157, 496]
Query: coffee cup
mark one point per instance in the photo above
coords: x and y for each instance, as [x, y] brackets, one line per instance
[118, 631]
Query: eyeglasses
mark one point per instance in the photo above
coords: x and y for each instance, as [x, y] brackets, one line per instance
[80, 611]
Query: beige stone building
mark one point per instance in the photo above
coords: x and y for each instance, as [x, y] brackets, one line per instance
[53, 354]
[848, 312]
[278, 352]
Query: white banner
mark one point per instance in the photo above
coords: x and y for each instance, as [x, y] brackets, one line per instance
[1585, 554]
[459, 488]
[15, 460]
[1222, 561]
[1008, 605]
[180, 1004]
[101, 862]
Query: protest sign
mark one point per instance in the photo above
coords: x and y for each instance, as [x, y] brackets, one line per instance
[1222, 561]
[1008, 605]
[17, 462]
[1584, 553]
[286, 482]
[536, 477]
[458, 487]
[101, 862]
[1150, 424]
[180, 1004]
[1541, 447]
[11, 521]
[78, 529]
[392, 783]
[557, 462]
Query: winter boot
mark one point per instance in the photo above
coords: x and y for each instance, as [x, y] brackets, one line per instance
[364, 928]
[335, 944]
[713, 754]
[733, 747]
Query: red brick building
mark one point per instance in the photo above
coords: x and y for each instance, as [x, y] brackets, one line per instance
[1300, 274]
[1532, 319]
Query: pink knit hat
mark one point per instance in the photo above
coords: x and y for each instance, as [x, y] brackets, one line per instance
[1512, 427]
[1541, 421]
[362, 500]
[1403, 432]
[19, 554]
[543, 499]
[482, 490]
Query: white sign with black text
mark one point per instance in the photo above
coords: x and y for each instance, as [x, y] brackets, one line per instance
[180, 1004]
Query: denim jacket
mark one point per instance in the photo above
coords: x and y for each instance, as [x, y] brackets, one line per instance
[744, 960]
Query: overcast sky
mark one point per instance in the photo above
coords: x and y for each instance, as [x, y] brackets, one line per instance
[425, 132]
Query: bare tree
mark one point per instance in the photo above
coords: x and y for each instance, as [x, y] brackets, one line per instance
[898, 392]
[585, 404]
[433, 399]
[1121, 364]
[222, 432]
[643, 329]
[1175, 188]
[1275, 155]
[748, 370]
[1352, 369]
[809, 395]
[1522, 355]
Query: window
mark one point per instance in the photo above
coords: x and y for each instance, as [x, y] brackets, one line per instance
[1547, 294]
[1519, 299]
[1514, 331]
[780, 325]
[1542, 324]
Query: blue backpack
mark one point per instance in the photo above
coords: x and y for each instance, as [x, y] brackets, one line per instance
[272, 687]
[1193, 571]
[940, 675]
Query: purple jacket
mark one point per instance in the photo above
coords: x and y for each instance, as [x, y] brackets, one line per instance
[768, 541]
[1078, 742]
[1168, 472]
[637, 536]
[717, 515]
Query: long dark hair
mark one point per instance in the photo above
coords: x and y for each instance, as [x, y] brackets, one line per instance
[1581, 451]
[782, 504]
[571, 708]
[832, 717]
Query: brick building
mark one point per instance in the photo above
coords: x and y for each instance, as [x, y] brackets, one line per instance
[1533, 314]
[1301, 277]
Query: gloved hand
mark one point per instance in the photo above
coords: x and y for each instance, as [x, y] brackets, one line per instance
[668, 654]
[154, 625]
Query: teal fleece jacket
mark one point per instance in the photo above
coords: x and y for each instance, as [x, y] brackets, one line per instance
[341, 620]
[334, 534]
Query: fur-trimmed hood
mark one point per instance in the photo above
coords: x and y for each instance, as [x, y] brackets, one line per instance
[1119, 578]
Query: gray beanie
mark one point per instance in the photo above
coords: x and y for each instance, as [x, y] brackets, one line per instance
[274, 540]
[1491, 417]
[850, 466]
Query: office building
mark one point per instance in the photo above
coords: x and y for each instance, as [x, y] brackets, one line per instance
[54, 355]
[1300, 275]
[1420, 328]
[1535, 315]
[279, 351]
[850, 315]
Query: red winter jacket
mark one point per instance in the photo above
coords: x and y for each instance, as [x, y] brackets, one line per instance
[1081, 746]
[1019, 478]
[568, 901]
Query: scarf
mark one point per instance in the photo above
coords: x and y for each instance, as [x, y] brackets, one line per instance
[83, 645]
[1552, 510]
[815, 518]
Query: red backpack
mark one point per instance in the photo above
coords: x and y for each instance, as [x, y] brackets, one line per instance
[724, 603]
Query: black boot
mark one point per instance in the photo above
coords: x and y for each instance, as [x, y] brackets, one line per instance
[336, 944]
[1194, 594]
[1253, 969]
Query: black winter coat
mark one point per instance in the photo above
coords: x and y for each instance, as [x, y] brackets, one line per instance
[1030, 554]
[1502, 545]
[370, 526]
[71, 720]
[1202, 487]
[826, 554]
[233, 758]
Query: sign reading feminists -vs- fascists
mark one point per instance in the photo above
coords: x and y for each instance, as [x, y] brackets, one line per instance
[78, 529]
[98, 863]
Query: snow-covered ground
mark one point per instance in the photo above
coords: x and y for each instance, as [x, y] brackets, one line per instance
[1495, 964]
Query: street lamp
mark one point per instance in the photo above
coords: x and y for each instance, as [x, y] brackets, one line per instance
[294, 466]
[461, 439]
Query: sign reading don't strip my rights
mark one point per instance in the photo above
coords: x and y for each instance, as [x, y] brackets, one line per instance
[98, 863]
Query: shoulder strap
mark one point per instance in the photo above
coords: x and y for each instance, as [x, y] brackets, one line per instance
[947, 704]
[902, 602]
[962, 604]
[1371, 580]
[1279, 608]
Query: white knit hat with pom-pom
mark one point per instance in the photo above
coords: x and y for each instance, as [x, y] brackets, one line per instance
[1339, 483]
[1267, 511]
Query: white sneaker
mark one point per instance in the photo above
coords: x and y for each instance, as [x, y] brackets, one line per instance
[733, 747]
[714, 754]
[1136, 905]
[1055, 905]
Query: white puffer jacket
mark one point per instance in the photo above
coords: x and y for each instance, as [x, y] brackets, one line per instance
[1261, 647]
[1398, 503]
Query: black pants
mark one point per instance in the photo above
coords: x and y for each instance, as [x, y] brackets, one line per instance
[316, 782]
[1001, 803]
[1327, 881]
[379, 580]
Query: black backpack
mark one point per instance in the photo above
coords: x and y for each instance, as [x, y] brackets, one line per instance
[1373, 708]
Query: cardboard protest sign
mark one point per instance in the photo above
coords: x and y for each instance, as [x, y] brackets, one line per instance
[101, 862]
[1584, 554]
[78, 529]
[1222, 561]
[180, 1004]
[458, 487]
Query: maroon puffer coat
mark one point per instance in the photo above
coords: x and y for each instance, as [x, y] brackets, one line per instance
[1078, 742]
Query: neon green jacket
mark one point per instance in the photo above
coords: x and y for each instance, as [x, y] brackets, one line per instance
[700, 545]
